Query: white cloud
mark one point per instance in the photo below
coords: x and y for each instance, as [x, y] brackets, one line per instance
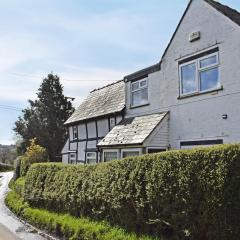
[15, 50]
[39, 39]
[77, 83]
[7, 141]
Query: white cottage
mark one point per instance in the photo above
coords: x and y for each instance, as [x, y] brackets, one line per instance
[92, 120]
[192, 96]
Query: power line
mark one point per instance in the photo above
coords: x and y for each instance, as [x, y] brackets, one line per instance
[90, 80]
[61, 79]
[7, 107]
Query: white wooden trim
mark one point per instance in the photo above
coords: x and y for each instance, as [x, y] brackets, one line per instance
[196, 76]
[139, 150]
[139, 89]
[110, 150]
[198, 71]
[91, 158]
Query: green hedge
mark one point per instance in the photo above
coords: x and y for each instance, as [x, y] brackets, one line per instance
[66, 226]
[189, 194]
[18, 186]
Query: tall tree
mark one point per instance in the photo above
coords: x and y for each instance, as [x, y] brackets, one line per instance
[45, 117]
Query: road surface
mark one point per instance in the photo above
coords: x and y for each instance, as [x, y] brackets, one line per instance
[10, 227]
[7, 234]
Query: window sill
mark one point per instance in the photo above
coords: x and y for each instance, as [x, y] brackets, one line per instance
[138, 106]
[201, 93]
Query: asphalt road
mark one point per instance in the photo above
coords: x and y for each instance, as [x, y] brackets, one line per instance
[10, 226]
[5, 234]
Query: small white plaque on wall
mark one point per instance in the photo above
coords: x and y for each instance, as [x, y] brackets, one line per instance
[194, 36]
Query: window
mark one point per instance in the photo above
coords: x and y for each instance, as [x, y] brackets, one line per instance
[130, 152]
[75, 132]
[91, 157]
[200, 143]
[139, 92]
[156, 150]
[72, 157]
[110, 155]
[112, 122]
[200, 75]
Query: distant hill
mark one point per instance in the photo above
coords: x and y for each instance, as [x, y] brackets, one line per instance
[7, 153]
[7, 146]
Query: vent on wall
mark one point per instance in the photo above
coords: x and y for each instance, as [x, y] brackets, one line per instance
[194, 36]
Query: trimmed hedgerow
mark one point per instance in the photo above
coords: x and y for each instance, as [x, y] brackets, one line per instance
[65, 225]
[188, 194]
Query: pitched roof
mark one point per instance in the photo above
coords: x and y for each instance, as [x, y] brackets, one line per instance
[143, 72]
[231, 13]
[132, 131]
[103, 101]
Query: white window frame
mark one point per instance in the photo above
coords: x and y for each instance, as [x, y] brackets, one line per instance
[110, 150]
[91, 158]
[198, 71]
[112, 122]
[72, 159]
[139, 150]
[139, 89]
[75, 131]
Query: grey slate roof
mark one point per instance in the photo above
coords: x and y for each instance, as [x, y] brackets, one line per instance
[103, 101]
[132, 131]
[231, 13]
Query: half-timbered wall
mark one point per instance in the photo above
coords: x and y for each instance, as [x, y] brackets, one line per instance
[89, 134]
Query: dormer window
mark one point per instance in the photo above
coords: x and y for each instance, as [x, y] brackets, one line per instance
[200, 75]
[139, 92]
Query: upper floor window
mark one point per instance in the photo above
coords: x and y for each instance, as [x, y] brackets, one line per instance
[112, 122]
[139, 92]
[200, 75]
[75, 132]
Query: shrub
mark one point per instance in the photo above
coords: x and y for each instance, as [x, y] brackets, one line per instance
[65, 225]
[188, 194]
[17, 167]
[5, 167]
[18, 186]
[34, 154]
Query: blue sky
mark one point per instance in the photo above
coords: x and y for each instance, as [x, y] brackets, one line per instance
[87, 43]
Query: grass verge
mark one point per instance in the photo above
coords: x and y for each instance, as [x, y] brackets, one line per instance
[65, 225]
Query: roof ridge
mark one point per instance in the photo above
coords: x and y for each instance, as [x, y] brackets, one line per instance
[224, 5]
[227, 11]
[94, 90]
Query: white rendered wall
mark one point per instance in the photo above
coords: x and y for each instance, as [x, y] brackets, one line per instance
[199, 117]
